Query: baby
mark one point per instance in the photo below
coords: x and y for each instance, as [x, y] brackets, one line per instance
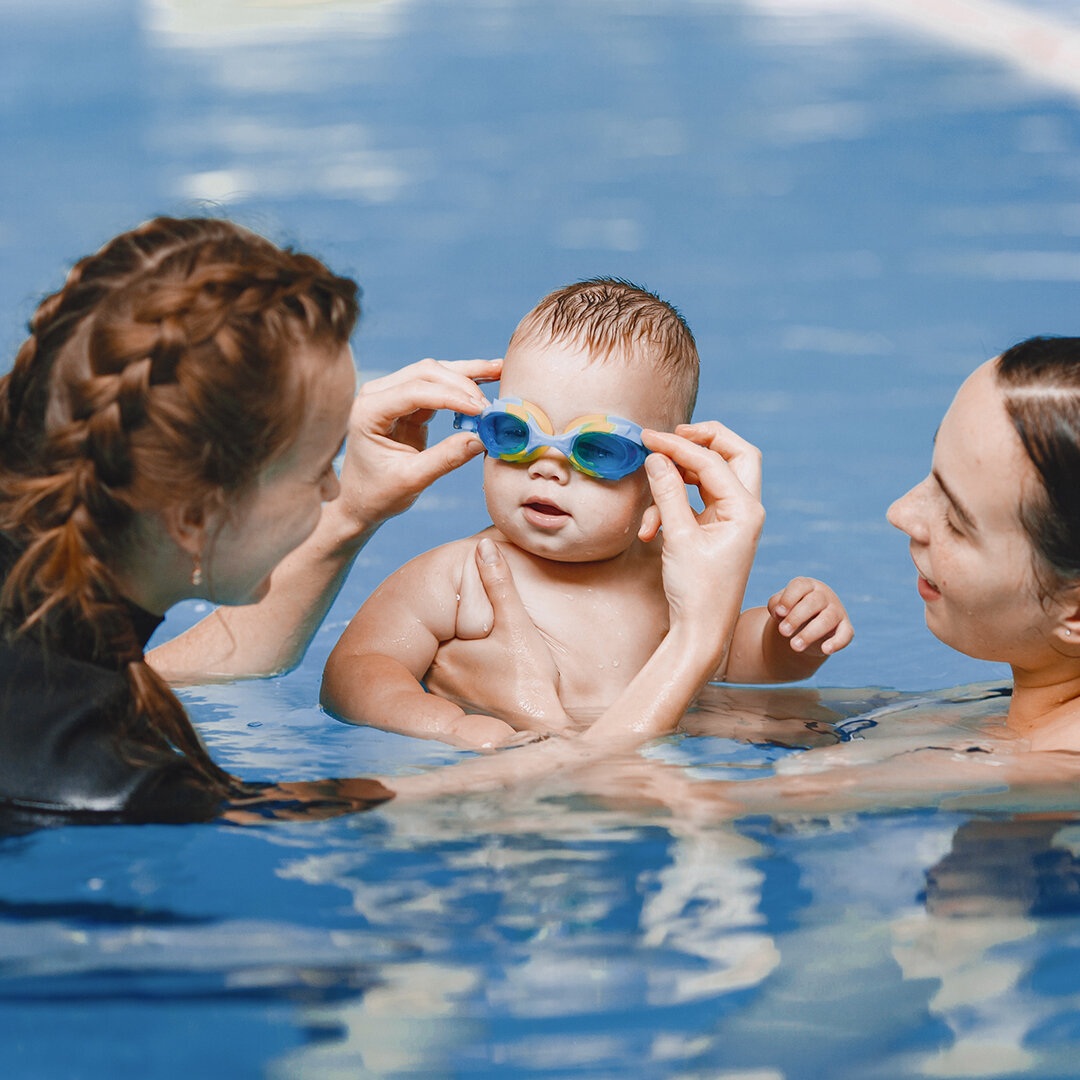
[572, 513]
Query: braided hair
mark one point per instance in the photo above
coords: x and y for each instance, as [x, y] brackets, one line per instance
[173, 360]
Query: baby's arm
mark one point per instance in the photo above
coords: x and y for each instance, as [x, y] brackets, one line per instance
[801, 627]
[373, 674]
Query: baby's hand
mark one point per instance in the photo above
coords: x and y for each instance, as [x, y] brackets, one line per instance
[810, 614]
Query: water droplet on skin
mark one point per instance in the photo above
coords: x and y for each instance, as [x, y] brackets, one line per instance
[614, 663]
[457, 597]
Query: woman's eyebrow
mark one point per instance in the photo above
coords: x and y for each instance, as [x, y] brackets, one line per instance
[961, 511]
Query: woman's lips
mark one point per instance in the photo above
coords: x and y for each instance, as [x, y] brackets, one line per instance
[927, 590]
[545, 515]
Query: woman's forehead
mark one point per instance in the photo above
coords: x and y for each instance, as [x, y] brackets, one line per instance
[977, 452]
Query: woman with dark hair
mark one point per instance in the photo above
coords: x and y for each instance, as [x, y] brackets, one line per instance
[168, 431]
[994, 534]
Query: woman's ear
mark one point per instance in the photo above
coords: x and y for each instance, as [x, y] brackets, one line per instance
[1067, 630]
[191, 525]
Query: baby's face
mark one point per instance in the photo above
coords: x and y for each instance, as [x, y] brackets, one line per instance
[546, 506]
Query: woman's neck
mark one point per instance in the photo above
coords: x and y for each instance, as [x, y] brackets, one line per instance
[1045, 705]
[154, 574]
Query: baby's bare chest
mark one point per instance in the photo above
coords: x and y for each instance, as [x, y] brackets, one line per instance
[599, 637]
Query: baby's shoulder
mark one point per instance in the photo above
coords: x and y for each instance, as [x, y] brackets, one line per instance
[445, 560]
[451, 568]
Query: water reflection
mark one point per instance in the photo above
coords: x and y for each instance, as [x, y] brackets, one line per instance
[577, 919]
[1005, 885]
[187, 23]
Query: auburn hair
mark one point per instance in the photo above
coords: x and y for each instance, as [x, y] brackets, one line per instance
[171, 365]
[613, 318]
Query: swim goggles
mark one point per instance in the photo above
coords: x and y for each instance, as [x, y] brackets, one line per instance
[602, 446]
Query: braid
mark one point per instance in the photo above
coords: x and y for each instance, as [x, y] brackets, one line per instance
[166, 364]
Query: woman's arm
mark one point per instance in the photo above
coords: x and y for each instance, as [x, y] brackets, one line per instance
[387, 464]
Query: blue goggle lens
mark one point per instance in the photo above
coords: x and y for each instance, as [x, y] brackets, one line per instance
[607, 455]
[502, 433]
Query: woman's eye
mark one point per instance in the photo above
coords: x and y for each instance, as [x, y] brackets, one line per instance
[950, 526]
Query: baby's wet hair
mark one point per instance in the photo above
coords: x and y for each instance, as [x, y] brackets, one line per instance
[616, 319]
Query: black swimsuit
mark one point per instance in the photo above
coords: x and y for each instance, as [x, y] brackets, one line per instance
[61, 760]
[59, 752]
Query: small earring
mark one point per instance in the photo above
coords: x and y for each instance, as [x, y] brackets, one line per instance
[1068, 632]
[196, 571]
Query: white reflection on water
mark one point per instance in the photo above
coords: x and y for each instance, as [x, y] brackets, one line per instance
[1011, 265]
[202, 22]
[1042, 40]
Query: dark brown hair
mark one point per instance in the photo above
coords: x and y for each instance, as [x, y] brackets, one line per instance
[170, 367]
[615, 318]
[1040, 380]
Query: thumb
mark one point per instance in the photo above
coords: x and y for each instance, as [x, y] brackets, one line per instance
[499, 585]
[669, 494]
[444, 457]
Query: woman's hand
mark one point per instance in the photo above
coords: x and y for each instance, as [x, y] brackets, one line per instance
[708, 554]
[510, 670]
[387, 459]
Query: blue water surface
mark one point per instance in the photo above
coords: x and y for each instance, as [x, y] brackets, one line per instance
[852, 206]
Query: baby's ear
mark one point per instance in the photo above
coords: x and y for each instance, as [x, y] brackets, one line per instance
[650, 523]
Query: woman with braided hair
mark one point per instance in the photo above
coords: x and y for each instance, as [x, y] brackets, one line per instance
[167, 432]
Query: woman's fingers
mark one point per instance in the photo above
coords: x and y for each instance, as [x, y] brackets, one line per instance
[669, 495]
[715, 479]
[510, 613]
[381, 409]
[743, 457]
[445, 456]
[460, 375]
[387, 462]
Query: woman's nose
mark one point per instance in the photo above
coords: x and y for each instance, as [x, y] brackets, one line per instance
[550, 465]
[909, 515]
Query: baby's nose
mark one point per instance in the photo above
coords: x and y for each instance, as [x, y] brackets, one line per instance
[550, 465]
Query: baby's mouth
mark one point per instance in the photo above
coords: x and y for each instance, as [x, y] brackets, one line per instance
[543, 513]
[540, 506]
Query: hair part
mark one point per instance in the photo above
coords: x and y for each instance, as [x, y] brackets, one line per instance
[616, 319]
[171, 367]
[1040, 381]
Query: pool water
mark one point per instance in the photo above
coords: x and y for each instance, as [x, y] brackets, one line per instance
[852, 204]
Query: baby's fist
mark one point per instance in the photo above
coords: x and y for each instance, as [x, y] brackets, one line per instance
[809, 614]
